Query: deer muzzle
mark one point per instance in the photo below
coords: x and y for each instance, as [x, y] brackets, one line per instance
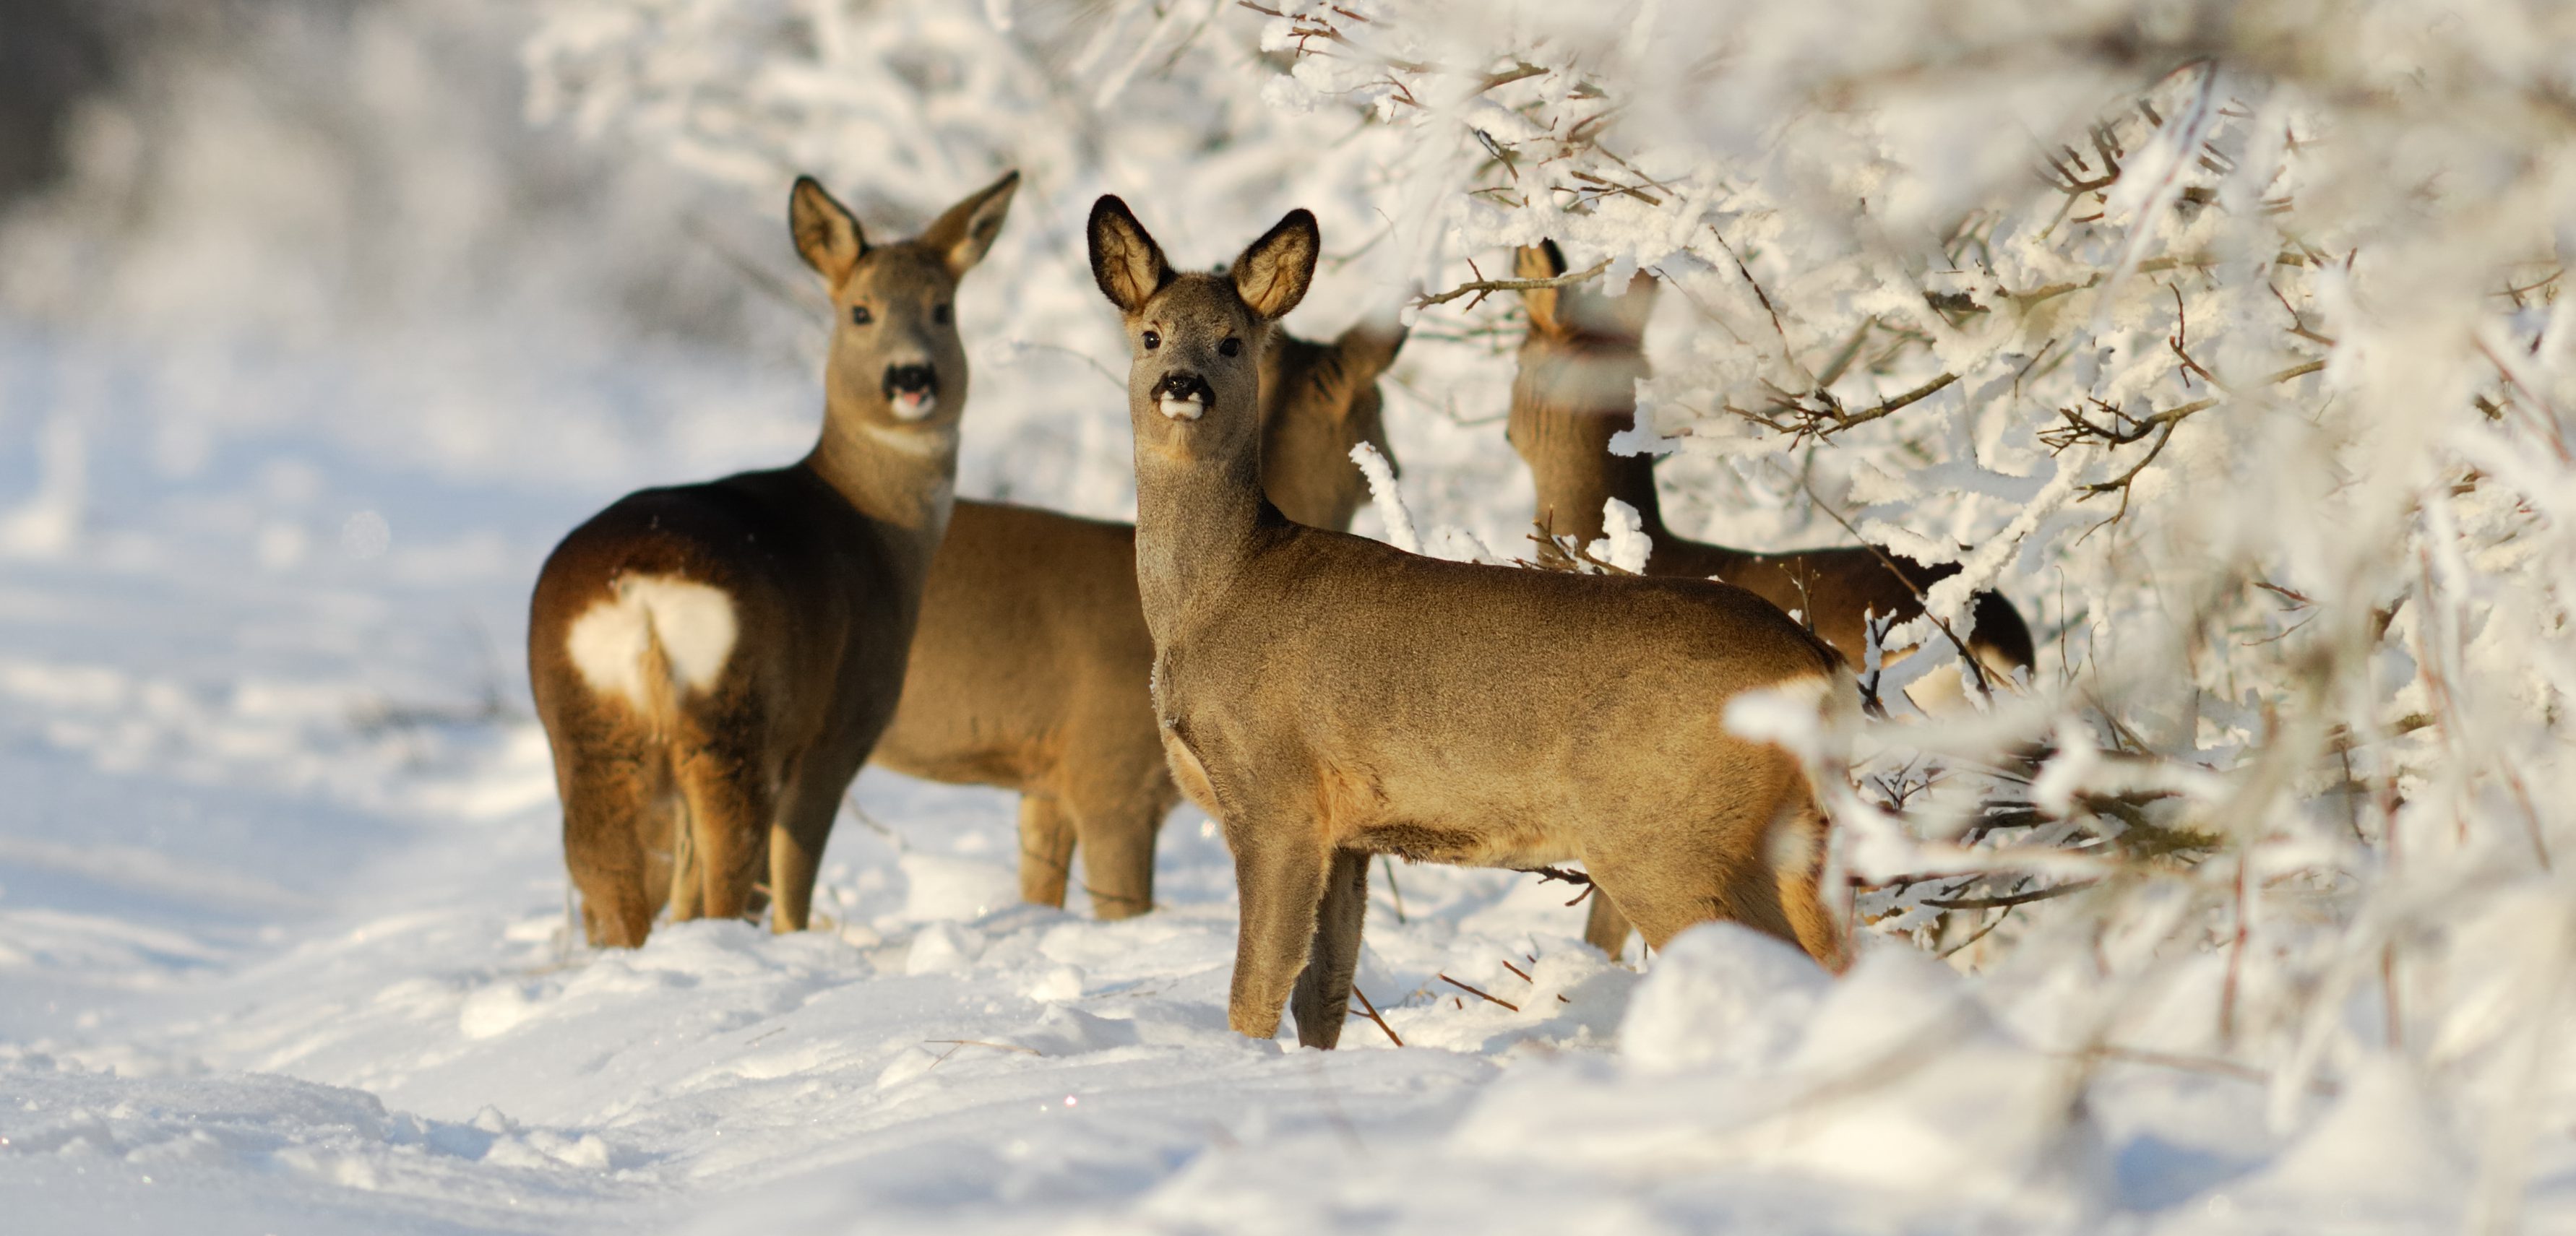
[1183, 396]
[912, 391]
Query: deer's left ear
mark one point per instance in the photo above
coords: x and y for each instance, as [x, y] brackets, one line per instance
[961, 236]
[1273, 273]
[1369, 346]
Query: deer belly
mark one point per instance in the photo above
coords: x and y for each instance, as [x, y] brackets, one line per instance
[1489, 845]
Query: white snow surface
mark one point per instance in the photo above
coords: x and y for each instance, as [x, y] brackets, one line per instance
[283, 949]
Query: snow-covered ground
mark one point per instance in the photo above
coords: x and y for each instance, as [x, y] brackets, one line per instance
[287, 423]
[283, 948]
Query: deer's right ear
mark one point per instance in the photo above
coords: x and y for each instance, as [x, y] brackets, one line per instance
[1540, 261]
[827, 236]
[1125, 261]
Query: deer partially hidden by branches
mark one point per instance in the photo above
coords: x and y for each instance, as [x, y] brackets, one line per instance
[1327, 697]
[1576, 387]
[713, 662]
[1029, 666]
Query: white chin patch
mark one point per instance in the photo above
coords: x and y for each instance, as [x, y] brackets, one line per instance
[1183, 409]
[909, 406]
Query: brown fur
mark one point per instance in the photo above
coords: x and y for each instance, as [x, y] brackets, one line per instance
[1326, 697]
[681, 795]
[1576, 387]
[1029, 664]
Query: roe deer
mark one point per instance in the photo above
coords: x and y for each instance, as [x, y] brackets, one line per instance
[1326, 697]
[1028, 668]
[712, 662]
[1577, 386]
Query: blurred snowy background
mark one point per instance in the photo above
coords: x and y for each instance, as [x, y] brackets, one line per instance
[320, 320]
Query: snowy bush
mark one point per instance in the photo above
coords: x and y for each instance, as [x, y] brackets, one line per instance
[2226, 338]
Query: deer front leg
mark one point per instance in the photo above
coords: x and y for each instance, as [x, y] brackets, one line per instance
[796, 841]
[1323, 998]
[1280, 878]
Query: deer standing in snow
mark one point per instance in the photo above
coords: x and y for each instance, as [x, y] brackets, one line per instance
[1029, 665]
[1327, 698]
[1577, 386]
[713, 662]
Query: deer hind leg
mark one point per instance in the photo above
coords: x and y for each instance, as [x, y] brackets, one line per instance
[1323, 997]
[796, 841]
[610, 792]
[1606, 928]
[686, 884]
[1797, 864]
[1118, 856]
[1117, 802]
[1046, 849]
[729, 806]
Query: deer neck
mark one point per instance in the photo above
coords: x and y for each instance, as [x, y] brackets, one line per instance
[902, 477]
[1565, 409]
[1196, 524]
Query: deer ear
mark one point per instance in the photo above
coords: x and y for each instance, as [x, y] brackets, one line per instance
[1274, 271]
[826, 234]
[961, 236]
[1125, 261]
[1369, 346]
[1637, 304]
[1540, 261]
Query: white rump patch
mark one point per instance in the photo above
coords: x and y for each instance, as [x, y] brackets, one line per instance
[1183, 409]
[693, 622]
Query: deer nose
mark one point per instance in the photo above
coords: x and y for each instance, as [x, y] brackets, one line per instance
[1183, 396]
[912, 390]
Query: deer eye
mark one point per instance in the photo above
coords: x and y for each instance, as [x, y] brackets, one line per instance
[1153, 340]
[940, 314]
[859, 315]
[1231, 347]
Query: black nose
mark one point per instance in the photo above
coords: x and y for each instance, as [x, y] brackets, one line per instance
[911, 380]
[1181, 384]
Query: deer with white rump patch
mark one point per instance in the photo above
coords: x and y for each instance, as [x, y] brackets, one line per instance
[1577, 387]
[713, 662]
[1328, 698]
[1028, 668]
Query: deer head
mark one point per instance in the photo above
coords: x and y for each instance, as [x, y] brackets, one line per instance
[1194, 382]
[895, 355]
[1320, 400]
[1576, 387]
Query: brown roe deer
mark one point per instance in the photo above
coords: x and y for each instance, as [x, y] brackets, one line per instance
[1326, 697]
[1029, 665]
[713, 662]
[1577, 386]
